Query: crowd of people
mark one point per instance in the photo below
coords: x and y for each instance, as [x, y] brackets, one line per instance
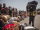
[6, 15]
[9, 10]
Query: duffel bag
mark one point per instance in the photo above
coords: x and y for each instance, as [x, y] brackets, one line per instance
[9, 27]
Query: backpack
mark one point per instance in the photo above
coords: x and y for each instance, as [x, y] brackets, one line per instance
[21, 27]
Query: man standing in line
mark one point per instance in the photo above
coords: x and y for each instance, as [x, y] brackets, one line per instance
[16, 13]
[5, 8]
[31, 8]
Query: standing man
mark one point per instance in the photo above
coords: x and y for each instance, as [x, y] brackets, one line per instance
[16, 13]
[19, 12]
[13, 12]
[31, 8]
[5, 8]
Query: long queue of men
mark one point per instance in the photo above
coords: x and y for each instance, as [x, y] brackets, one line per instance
[6, 10]
[9, 11]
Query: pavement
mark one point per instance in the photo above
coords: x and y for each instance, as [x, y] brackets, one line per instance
[36, 21]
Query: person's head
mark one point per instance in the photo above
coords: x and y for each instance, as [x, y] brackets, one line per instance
[19, 10]
[0, 5]
[13, 9]
[16, 9]
[4, 4]
[9, 7]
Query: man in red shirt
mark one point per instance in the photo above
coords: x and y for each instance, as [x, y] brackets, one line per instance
[5, 8]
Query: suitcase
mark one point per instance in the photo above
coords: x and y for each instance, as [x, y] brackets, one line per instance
[21, 27]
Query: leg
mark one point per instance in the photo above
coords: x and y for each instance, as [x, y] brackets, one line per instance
[33, 22]
[29, 20]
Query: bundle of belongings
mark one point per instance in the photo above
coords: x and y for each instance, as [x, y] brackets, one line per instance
[31, 6]
[4, 25]
[3, 20]
[14, 25]
[14, 19]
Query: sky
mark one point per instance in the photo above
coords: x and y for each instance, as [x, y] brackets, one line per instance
[19, 4]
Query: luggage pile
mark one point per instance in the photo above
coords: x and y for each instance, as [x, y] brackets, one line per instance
[6, 24]
[12, 26]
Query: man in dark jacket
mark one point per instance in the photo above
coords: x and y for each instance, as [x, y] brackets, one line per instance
[31, 8]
